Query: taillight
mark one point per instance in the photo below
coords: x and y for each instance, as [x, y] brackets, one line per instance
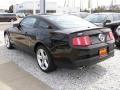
[111, 36]
[81, 41]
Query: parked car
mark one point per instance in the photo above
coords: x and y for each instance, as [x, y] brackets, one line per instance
[118, 36]
[7, 17]
[80, 14]
[20, 15]
[110, 20]
[61, 40]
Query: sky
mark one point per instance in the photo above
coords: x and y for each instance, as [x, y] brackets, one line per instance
[4, 4]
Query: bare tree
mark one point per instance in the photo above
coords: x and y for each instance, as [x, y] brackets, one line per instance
[11, 9]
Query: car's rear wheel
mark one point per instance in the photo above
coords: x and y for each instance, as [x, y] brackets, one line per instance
[44, 59]
[7, 41]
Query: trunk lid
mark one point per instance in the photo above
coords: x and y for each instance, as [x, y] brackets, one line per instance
[93, 33]
[74, 30]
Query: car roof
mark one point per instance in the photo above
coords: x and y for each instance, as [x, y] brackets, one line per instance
[46, 15]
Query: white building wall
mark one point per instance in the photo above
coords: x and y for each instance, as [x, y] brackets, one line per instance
[28, 5]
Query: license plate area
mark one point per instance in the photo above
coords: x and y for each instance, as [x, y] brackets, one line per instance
[103, 52]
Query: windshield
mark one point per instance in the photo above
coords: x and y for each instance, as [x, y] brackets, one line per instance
[70, 21]
[96, 18]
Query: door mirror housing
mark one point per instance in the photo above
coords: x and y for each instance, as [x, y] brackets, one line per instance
[50, 27]
[107, 21]
[46, 27]
[16, 25]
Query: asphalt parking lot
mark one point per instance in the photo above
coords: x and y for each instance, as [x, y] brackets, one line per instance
[103, 76]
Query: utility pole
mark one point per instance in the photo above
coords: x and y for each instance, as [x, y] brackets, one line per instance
[112, 3]
[115, 2]
[42, 7]
[97, 3]
[74, 4]
[65, 3]
[34, 7]
[89, 6]
[80, 5]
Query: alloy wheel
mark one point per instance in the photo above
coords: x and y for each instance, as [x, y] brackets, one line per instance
[7, 41]
[42, 59]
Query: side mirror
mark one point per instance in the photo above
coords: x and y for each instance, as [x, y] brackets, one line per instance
[107, 21]
[46, 27]
[16, 25]
[49, 27]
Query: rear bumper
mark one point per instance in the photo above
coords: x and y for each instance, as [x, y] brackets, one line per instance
[91, 61]
[84, 62]
[77, 58]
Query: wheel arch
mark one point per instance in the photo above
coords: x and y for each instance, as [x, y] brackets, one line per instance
[6, 32]
[40, 44]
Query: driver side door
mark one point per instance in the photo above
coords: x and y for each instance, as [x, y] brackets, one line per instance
[20, 34]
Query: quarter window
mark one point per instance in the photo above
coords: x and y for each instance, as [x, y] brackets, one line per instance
[41, 24]
[110, 17]
[116, 17]
[28, 22]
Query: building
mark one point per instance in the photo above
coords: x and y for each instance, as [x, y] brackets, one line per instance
[2, 11]
[27, 7]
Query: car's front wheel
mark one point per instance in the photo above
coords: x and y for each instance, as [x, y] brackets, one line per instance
[7, 41]
[44, 59]
[117, 36]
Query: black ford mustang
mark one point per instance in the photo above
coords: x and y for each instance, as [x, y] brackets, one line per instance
[61, 39]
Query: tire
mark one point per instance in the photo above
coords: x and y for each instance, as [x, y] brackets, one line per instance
[7, 41]
[117, 44]
[117, 39]
[44, 59]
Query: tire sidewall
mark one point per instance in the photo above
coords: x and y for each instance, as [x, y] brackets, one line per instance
[6, 35]
[50, 61]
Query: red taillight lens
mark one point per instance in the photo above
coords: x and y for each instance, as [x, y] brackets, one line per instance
[81, 41]
[111, 36]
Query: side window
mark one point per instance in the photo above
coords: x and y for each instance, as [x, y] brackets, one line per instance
[42, 24]
[110, 17]
[28, 22]
[116, 17]
[119, 16]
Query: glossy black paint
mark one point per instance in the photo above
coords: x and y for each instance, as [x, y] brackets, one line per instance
[58, 42]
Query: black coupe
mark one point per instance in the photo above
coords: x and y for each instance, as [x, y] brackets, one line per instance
[58, 40]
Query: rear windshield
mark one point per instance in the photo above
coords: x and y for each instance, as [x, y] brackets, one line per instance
[69, 21]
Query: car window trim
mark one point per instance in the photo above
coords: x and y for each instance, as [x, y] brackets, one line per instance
[26, 18]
